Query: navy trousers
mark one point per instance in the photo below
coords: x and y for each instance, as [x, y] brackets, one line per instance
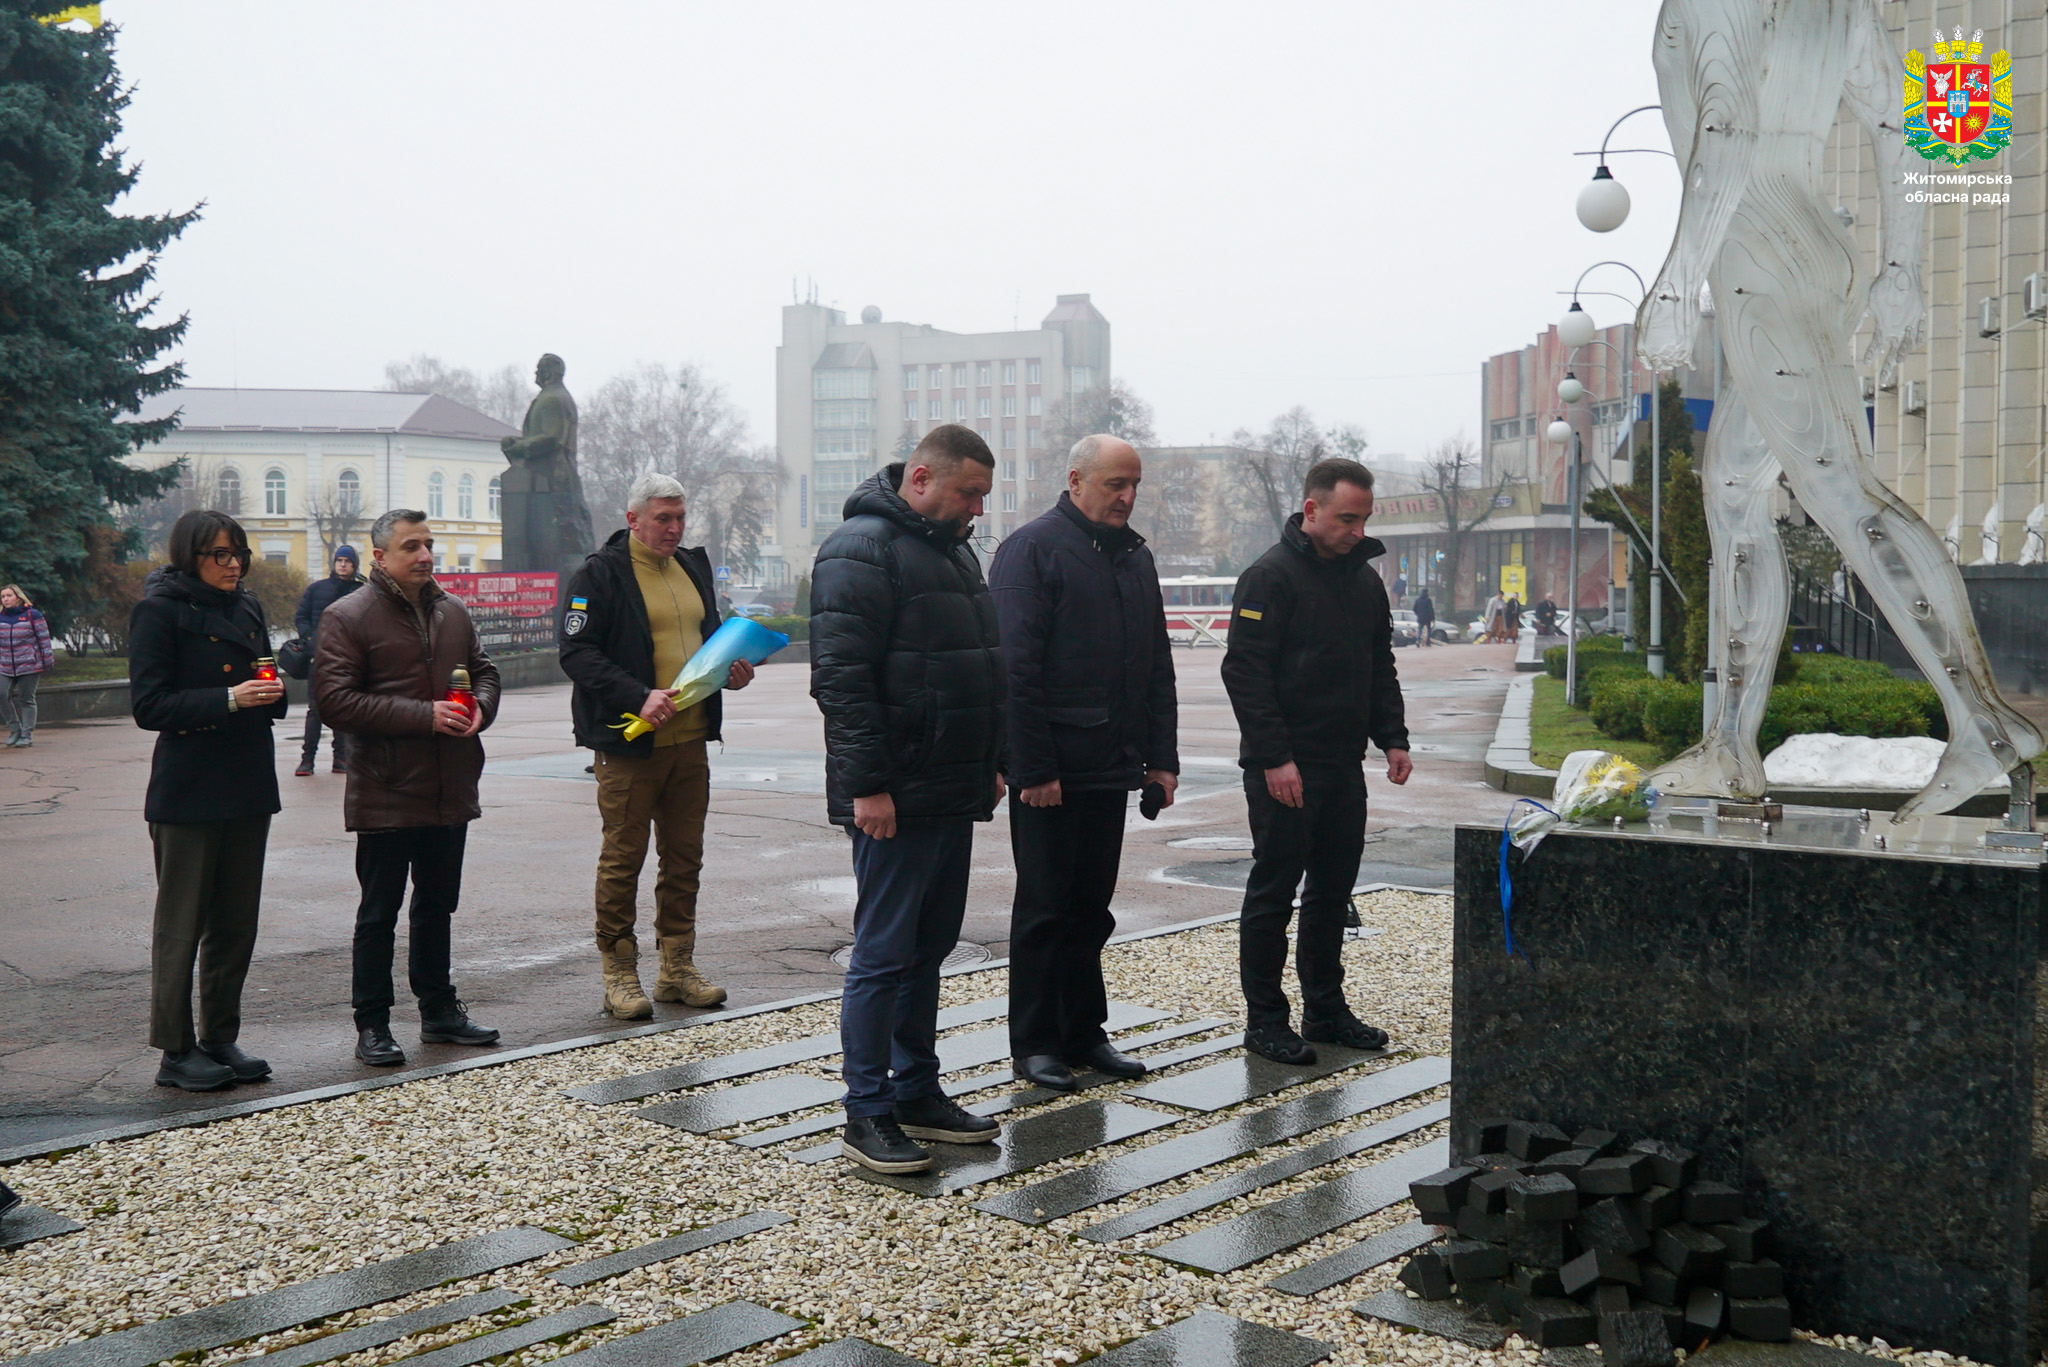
[913, 896]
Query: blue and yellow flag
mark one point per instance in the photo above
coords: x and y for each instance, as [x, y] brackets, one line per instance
[89, 15]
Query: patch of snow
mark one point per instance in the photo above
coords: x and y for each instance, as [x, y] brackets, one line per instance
[1901, 763]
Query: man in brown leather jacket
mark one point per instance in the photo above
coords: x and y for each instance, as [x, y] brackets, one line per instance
[385, 659]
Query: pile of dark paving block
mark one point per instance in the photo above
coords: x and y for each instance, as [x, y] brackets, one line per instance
[1582, 1239]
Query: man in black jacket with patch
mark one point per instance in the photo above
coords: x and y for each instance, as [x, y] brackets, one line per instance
[904, 666]
[1310, 673]
[1092, 716]
[632, 617]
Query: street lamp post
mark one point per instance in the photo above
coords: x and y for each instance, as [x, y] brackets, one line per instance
[1560, 432]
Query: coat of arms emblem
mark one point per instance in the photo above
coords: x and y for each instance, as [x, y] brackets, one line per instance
[1958, 109]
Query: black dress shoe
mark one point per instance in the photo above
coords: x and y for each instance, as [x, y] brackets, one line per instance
[878, 1142]
[375, 1047]
[1107, 1058]
[1278, 1043]
[1043, 1070]
[941, 1118]
[193, 1071]
[245, 1069]
[1350, 1032]
[452, 1025]
[9, 1199]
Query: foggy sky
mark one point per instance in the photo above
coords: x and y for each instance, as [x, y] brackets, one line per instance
[1347, 206]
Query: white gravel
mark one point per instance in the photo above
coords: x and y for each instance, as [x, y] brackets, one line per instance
[187, 1218]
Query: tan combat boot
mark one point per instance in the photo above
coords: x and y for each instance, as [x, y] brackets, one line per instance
[679, 980]
[623, 996]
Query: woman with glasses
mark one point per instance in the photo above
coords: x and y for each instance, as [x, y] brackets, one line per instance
[193, 645]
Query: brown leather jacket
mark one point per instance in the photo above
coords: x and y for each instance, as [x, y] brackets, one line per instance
[381, 665]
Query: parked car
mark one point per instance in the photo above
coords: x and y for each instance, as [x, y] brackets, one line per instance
[754, 610]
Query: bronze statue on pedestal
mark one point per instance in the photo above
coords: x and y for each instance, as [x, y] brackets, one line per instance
[546, 523]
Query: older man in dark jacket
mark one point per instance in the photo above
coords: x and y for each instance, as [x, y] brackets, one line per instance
[1092, 716]
[383, 674]
[1310, 673]
[905, 668]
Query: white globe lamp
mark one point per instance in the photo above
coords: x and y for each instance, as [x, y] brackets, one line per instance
[1559, 431]
[1576, 328]
[1603, 203]
[1569, 390]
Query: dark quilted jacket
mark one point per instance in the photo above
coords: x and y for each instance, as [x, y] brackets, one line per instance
[904, 663]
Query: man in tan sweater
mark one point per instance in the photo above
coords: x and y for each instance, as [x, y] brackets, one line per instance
[632, 617]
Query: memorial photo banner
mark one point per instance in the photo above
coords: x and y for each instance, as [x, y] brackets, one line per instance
[512, 611]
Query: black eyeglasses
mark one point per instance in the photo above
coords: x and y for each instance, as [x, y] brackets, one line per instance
[225, 555]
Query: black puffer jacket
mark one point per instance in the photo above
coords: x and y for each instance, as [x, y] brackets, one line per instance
[1090, 667]
[188, 644]
[319, 596]
[904, 663]
[608, 648]
[1310, 665]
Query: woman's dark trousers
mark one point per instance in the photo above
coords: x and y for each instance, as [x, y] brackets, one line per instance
[209, 884]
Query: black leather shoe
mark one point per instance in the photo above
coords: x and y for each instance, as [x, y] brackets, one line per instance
[1043, 1070]
[938, 1117]
[375, 1047]
[1278, 1043]
[8, 1199]
[1107, 1058]
[193, 1072]
[245, 1069]
[878, 1142]
[452, 1025]
[1350, 1032]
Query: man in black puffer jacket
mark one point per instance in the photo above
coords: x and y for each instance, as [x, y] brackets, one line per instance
[320, 595]
[905, 668]
[1092, 716]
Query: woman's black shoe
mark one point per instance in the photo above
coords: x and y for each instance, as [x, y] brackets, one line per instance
[375, 1047]
[1043, 1070]
[193, 1071]
[1278, 1043]
[877, 1142]
[245, 1068]
[1107, 1058]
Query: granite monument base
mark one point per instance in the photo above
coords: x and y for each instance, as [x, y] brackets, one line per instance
[1849, 1034]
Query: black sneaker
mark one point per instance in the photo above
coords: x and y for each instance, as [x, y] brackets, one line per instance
[1350, 1032]
[193, 1071]
[938, 1117]
[452, 1025]
[375, 1047]
[245, 1068]
[877, 1142]
[305, 767]
[1278, 1043]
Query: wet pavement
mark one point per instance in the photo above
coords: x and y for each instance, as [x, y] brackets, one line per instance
[776, 904]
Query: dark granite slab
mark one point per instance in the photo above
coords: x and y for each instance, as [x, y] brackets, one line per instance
[727, 1066]
[27, 1223]
[1311, 1214]
[661, 1250]
[852, 1353]
[1118, 1177]
[1266, 1174]
[1363, 1256]
[1023, 1145]
[303, 1302]
[695, 1338]
[1791, 1353]
[1210, 1339]
[1445, 1319]
[469, 1352]
[1845, 1035]
[332, 1346]
[1245, 1079]
[980, 1048]
[1575, 1355]
[704, 1112]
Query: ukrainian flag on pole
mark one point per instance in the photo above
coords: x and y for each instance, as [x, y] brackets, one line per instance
[89, 15]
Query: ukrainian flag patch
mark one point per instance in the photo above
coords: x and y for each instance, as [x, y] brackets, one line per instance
[1255, 611]
[579, 603]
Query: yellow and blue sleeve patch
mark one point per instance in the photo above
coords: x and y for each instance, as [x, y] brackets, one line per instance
[1255, 611]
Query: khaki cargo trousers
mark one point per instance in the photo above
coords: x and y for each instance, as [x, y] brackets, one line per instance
[670, 791]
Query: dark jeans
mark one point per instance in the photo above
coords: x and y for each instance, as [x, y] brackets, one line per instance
[313, 727]
[432, 855]
[18, 703]
[209, 885]
[1323, 839]
[1067, 860]
[913, 895]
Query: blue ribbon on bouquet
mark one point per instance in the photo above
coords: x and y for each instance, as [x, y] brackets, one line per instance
[1507, 882]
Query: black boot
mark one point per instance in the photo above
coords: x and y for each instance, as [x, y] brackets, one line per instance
[1278, 1043]
[450, 1024]
[941, 1118]
[1347, 1031]
[1043, 1070]
[245, 1068]
[193, 1072]
[878, 1142]
[1107, 1058]
[375, 1047]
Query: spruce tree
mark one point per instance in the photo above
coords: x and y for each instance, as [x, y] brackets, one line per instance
[76, 340]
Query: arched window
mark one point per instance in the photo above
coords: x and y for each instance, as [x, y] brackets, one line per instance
[436, 488]
[228, 489]
[273, 492]
[496, 489]
[350, 488]
[465, 497]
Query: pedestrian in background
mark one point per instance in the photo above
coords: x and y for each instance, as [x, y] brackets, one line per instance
[193, 644]
[320, 595]
[1311, 676]
[1425, 619]
[25, 656]
[1092, 717]
[384, 673]
[633, 615]
[904, 666]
